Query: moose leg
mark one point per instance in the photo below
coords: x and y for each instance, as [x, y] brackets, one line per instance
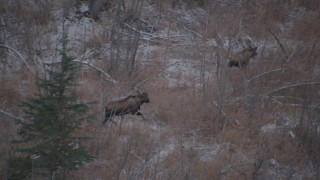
[105, 120]
[233, 63]
[121, 117]
[121, 121]
[108, 116]
[113, 121]
[140, 114]
[243, 64]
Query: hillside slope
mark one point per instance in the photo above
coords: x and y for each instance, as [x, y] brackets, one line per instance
[205, 120]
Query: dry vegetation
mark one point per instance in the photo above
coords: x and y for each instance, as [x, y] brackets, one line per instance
[204, 121]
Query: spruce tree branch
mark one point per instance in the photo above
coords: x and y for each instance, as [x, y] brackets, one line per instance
[21, 57]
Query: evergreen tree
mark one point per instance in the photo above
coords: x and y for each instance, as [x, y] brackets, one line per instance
[51, 119]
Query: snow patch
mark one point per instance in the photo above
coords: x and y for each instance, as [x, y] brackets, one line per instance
[207, 153]
[268, 128]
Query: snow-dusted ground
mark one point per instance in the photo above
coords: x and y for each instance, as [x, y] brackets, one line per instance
[178, 73]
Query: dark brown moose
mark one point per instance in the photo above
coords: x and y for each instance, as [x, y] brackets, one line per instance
[128, 105]
[242, 59]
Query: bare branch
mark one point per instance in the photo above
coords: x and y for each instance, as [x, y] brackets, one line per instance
[278, 41]
[21, 57]
[155, 75]
[10, 115]
[149, 37]
[294, 104]
[291, 86]
[108, 77]
[264, 73]
[216, 104]
[2, 21]
[139, 158]
[235, 120]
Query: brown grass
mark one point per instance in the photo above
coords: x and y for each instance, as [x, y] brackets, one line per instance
[189, 112]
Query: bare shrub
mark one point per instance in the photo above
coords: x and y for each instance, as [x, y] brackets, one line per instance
[311, 5]
[31, 12]
[97, 41]
[9, 94]
[309, 143]
[95, 6]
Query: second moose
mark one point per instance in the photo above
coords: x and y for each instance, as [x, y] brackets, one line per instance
[242, 59]
[128, 105]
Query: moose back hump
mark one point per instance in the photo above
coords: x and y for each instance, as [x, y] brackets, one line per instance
[128, 105]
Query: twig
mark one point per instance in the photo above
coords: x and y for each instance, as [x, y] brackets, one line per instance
[278, 41]
[21, 57]
[156, 74]
[216, 104]
[152, 36]
[317, 106]
[290, 86]
[98, 69]
[143, 161]
[283, 50]
[10, 115]
[104, 162]
[2, 21]
[109, 78]
[264, 73]
[230, 117]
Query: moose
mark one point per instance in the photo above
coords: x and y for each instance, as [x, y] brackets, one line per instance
[242, 59]
[128, 105]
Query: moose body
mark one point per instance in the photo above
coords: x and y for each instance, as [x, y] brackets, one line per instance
[128, 105]
[242, 59]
